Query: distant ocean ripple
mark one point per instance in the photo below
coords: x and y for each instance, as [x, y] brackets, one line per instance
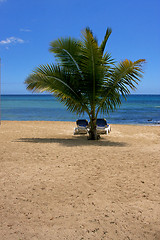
[138, 109]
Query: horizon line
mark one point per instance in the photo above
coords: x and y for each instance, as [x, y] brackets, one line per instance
[50, 94]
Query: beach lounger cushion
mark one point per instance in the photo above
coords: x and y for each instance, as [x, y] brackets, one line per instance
[82, 127]
[102, 126]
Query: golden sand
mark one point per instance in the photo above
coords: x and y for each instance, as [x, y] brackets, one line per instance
[57, 186]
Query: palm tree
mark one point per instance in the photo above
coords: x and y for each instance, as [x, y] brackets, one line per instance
[86, 79]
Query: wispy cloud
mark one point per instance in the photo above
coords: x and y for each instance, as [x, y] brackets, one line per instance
[11, 40]
[25, 30]
[3, 1]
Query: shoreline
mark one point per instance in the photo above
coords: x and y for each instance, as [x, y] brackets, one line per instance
[55, 185]
[123, 124]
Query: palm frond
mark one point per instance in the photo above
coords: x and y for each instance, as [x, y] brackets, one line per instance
[103, 44]
[91, 65]
[58, 81]
[123, 77]
[112, 101]
[67, 51]
[128, 74]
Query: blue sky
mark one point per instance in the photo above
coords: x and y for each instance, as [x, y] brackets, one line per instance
[27, 28]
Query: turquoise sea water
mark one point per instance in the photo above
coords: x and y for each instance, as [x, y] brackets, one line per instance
[138, 109]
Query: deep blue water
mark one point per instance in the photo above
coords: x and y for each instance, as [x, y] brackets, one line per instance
[138, 109]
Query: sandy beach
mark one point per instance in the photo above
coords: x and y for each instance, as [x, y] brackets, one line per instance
[56, 186]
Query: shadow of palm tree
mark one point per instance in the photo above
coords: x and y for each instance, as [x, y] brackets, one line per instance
[75, 141]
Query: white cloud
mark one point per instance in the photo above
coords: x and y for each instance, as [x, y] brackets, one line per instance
[11, 40]
[25, 30]
[3, 1]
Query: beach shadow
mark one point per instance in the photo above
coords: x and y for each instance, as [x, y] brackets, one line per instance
[75, 141]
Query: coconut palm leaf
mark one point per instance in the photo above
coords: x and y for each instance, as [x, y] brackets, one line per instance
[106, 37]
[55, 80]
[67, 51]
[124, 76]
[91, 66]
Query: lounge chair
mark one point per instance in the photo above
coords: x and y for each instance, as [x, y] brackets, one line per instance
[102, 126]
[82, 127]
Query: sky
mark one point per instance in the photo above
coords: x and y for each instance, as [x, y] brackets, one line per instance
[28, 26]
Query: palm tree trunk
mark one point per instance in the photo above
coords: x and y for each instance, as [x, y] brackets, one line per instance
[93, 130]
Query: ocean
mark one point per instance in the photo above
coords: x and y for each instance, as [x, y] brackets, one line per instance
[138, 109]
